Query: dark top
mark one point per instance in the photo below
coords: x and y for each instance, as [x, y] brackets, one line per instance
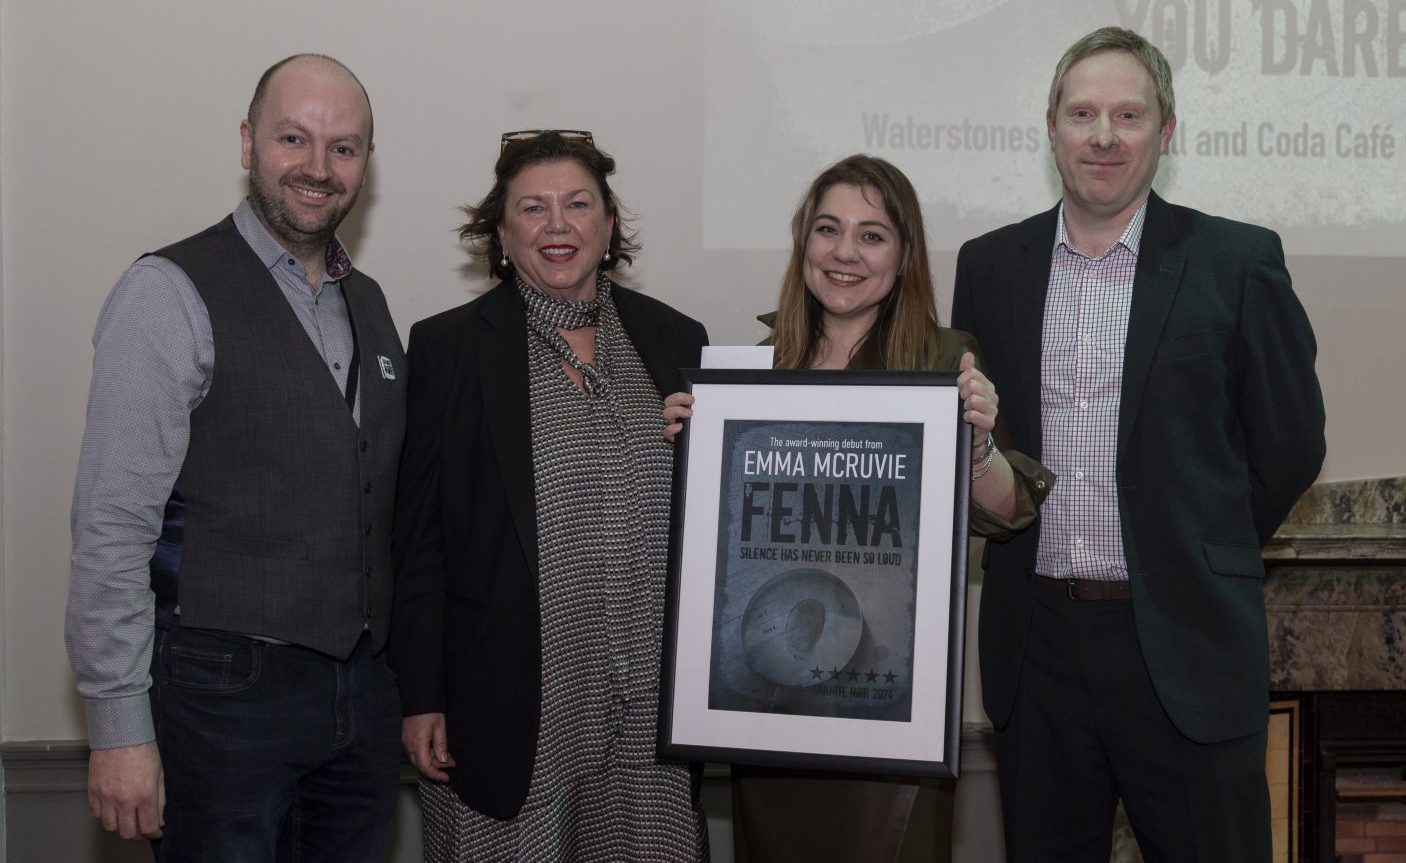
[287, 503]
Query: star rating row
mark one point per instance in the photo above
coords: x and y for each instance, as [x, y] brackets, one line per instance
[853, 675]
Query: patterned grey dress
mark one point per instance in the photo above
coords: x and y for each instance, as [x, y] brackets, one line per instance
[602, 471]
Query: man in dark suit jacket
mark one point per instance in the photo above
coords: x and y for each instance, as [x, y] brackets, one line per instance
[1157, 360]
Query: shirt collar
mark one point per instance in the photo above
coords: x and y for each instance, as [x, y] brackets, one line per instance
[271, 253]
[1130, 239]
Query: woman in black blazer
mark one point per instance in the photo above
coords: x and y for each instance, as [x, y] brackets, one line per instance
[531, 534]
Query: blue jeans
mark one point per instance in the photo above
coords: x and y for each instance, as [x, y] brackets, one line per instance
[273, 752]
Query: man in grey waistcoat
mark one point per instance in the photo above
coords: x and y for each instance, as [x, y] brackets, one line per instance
[231, 518]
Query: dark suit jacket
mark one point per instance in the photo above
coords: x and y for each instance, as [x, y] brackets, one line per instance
[466, 630]
[1220, 430]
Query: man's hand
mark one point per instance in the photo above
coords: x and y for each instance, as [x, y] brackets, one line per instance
[127, 791]
[424, 739]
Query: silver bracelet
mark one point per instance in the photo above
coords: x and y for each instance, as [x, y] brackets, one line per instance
[985, 447]
[979, 469]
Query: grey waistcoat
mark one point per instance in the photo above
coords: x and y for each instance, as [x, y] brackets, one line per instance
[287, 502]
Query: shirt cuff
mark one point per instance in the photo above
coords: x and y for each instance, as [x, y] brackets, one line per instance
[117, 722]
[1033, 482]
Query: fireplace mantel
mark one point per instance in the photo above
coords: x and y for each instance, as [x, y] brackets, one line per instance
[1335, 590]
[1328, 544]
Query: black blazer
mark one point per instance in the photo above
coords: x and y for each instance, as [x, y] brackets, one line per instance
[466, 630]
[1220, 429]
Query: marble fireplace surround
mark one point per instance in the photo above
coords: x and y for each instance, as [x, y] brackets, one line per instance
[1335, 596]
[1335, 590]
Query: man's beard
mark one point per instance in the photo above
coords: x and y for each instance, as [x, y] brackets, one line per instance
[297, 231]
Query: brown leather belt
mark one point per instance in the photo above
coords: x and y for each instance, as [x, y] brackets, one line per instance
[1087, 589]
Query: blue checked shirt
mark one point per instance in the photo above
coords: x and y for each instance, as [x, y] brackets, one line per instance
[1081, 378]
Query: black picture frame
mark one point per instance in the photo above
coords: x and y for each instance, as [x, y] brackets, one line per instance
[819, 519]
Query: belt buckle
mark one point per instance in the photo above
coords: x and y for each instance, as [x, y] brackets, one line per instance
[1069, 588]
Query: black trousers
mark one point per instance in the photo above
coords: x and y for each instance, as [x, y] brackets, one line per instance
[1088, 729]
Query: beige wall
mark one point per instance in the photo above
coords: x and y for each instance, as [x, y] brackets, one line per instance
[119, 133]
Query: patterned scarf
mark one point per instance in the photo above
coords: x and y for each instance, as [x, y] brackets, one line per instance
[545, 315]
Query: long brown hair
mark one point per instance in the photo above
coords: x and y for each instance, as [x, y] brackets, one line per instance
[902, 335]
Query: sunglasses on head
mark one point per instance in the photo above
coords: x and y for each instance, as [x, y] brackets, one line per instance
[518, 137]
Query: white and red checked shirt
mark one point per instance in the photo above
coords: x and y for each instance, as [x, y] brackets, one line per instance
[1081, 378]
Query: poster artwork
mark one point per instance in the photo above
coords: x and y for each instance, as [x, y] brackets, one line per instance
[817, 569]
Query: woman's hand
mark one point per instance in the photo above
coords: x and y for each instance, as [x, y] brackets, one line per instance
[425, 740]
[677, 408]
[993, 481]
[979, 399]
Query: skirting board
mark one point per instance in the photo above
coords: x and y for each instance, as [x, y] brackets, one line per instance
[47, 813]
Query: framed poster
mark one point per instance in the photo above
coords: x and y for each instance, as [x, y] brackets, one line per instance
[817, 594]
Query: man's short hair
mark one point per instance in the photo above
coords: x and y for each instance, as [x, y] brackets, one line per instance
[261, 88]
[1117, 38]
